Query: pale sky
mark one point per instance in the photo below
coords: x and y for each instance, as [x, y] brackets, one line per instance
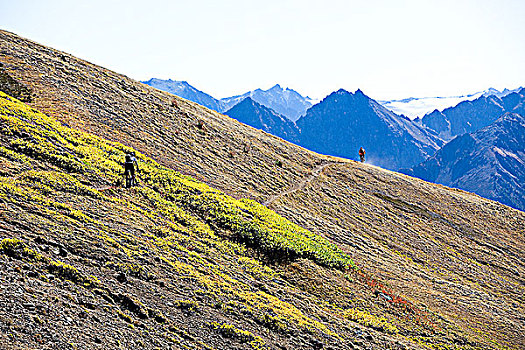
[388, 49]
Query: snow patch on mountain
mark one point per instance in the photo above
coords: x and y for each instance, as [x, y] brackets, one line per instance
[506, 153]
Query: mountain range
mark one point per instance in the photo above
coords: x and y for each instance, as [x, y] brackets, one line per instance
[232, 238]
[292, 105]
[286, 102]
[489, 162]
[470, 116]
[343, 122]
[417, 107]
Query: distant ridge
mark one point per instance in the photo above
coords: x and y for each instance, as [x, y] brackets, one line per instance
[286, 102]
[414, 107]
[470, 116]
[489, 162]
[185, 90]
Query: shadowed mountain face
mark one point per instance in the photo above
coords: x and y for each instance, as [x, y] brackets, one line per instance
[192, 263]
[470, 116]
[343, 122]
[489, 162]
[252, 113]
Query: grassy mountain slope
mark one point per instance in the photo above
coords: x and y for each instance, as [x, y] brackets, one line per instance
[168, 263]
[175, 132]
[176, 262]
[113, 251]
[453, 253]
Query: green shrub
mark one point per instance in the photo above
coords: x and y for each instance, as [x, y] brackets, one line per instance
[230, 331]
[70, 273]
[17, 249]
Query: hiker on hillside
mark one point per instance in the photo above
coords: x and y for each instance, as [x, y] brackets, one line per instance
[129, 170]
[362, 154]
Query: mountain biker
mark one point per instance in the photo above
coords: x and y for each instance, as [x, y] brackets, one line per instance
[134, 160]
[362, 154]
[129, 170]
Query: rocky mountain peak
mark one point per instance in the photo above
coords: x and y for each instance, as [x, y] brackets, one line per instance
[358, 92]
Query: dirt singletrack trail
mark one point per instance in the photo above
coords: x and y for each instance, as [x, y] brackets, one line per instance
[300, 185]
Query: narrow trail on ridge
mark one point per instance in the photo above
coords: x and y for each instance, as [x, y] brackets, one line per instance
[300, 185]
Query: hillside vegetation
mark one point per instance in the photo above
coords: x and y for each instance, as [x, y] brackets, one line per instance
[59, 182]
[350, 256]
[120, 248]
